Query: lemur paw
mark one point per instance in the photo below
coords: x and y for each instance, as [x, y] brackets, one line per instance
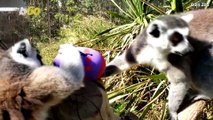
[173, 116]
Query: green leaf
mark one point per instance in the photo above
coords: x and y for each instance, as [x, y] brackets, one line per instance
[157, 78]
[208, 4]
[158, 93]
[121, 9]
[177, 5]
[116, 98]
[105, 31]
[188, 3]
[114, 14]
[158, 9]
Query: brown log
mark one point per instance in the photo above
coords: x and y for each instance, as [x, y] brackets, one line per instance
[88, 103]
[193, 111]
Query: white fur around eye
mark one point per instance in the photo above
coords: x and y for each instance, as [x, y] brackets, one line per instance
[163, 44]
[160, 43]
[182, 31]
[31, 60]
[184, 45]
[159, 23]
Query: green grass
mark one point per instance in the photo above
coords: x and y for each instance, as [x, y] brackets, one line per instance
[81, 32]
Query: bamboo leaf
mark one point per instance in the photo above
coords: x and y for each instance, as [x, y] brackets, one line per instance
[154, 7]
[114, 14]
[133, 8]
[157, 78]
[121, 9]
[147, 107]
[120, 91]
[188, 3]
[105, 31]
[116, 98]
[164, 111]
[208, 4]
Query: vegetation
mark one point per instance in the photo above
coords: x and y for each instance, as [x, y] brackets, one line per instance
[110, 26]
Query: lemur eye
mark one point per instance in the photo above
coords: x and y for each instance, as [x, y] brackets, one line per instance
[22, 50]
[176, 38]
[155, 31]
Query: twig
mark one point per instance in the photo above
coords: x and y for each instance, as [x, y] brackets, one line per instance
[193, 111]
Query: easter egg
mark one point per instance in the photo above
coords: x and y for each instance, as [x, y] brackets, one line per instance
[94, 63]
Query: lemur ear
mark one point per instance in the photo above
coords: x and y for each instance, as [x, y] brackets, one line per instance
[153, 30]
[187, 17]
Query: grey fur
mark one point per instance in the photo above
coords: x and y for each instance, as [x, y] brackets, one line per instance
[189, 71]
[173, 22]
[28, 89]
[129, 57]
[13, 69]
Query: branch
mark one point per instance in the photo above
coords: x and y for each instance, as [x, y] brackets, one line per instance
[193, 111]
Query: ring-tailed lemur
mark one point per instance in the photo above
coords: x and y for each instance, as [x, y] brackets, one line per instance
[163, 43]
[27, 89]
[165, 35]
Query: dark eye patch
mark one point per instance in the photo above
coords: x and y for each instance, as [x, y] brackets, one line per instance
[22, 49]
[155, 31]
[176, 38]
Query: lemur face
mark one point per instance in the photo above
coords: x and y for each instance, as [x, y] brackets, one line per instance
[23, 52]
[168, 34]
[163, 36]
[67, 55]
